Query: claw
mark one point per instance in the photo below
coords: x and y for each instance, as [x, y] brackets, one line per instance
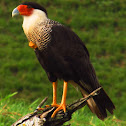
[47, 106]
[63, 102]
[52, 105]
[61, 106]
[55, 105]
[40, 109]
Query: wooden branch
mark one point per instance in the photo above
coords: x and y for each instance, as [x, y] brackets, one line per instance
[43, 117]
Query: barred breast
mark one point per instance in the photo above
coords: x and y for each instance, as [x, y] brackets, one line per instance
[40, 33]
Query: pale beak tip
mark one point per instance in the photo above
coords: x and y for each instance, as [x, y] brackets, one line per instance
[15, 12]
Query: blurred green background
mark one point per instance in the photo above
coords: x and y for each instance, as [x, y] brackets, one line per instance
[101, 24]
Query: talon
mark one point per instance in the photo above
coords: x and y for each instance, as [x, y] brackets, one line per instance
[62, 106]
[32, 45]
[40, 109]
[55, 105]
[47, 106]
[63, 102]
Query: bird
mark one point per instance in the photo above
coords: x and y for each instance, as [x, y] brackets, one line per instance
[63, 56]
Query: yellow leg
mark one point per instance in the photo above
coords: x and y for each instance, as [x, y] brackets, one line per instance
[54, 103]
[63, 102]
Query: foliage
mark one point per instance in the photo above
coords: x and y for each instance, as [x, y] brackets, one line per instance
[11, 110]
[99, 23]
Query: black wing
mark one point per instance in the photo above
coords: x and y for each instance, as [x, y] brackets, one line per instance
[67, 58]
[75, 56]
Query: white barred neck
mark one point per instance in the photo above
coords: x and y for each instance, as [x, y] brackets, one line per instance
[29, 22]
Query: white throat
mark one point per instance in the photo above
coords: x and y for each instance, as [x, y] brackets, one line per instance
[30, 21]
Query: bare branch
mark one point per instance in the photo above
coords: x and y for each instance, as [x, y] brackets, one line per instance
[43, 117]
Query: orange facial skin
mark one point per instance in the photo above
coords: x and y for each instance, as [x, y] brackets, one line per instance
[25, 10]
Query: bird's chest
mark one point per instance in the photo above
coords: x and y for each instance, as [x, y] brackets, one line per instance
[39, 35]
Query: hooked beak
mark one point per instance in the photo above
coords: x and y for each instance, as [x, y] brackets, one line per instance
[15, 12]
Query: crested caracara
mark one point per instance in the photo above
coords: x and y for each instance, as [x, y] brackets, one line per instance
[62, 55]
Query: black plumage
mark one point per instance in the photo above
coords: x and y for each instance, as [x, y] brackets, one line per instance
[64, 56]
[35, 6]
[61, 55]
[67, 58]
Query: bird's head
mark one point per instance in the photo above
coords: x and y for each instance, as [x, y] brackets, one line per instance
[27, 9]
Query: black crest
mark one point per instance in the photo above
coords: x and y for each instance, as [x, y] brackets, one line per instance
[35, 6]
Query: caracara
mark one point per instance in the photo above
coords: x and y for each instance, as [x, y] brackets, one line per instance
[63, 56]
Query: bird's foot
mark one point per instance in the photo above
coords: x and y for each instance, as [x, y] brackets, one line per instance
[32, 45]
[47, 106]
[60, 107]
[55, 105]
[52, 105]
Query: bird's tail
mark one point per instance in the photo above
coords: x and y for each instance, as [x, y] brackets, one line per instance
[99, 104]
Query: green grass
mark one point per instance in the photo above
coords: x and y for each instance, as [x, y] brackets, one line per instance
[99, 23]
[11, 110]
